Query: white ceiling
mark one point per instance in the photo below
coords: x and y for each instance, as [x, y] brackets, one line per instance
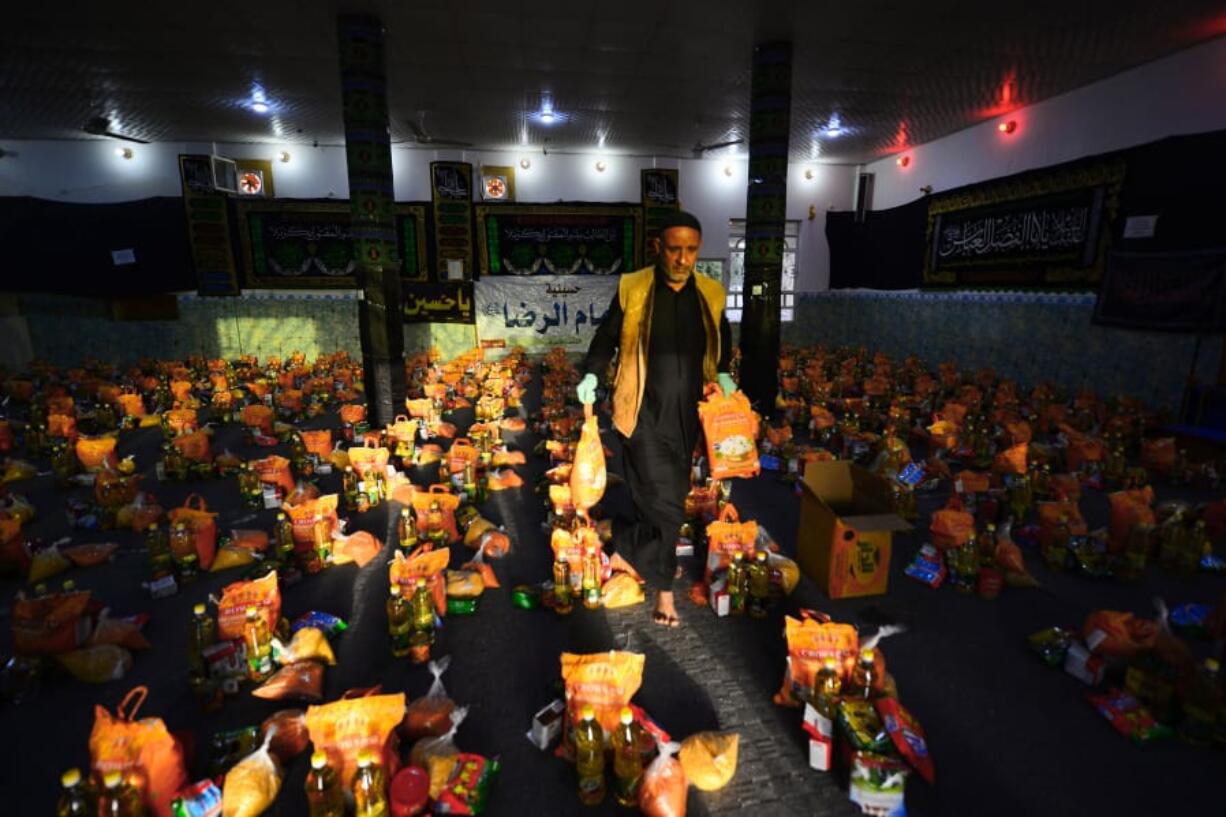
[651, 76]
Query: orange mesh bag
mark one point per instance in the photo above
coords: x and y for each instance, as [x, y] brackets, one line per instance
[588, 476]
[367, 458]
[131, 405]
[143, 749]
[1012, 460]
[203, 525]
[182, 421]
[258, 416]
[730, 427]
[194, 446]
[95, 453]
[275, 470]
[343, 729]
[318, 442]
[426, 565]
[811, 639]
[726, 536]
[447, 503]
[303, 515]
[62, 425]
[606, 681]
[1128, 509]
[262, 593]
[1158, 454]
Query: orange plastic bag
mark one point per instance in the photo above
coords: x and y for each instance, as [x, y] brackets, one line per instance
[202, 523]
[607, 681]
[726, 536]
[972, 482]
[588, 476]
[1049, 517]
[368, 458]
[360, 547]
[1126, 635]
[1128, 509]
[302, 518]
[181, 390]
[943, 434]
[810, 642]
[344, 728]
[662, 792]
[1019, 432]
[263, 593]
[131, 405]
[96, 452]
[318, 442]
[447, 502]
[1012, 460]
[194, 446]
[89, 555]
[290, 400]
[424, 565]
[353, 413]
[50, 624]
[62, 425]
[258, 416]
[142, 748]
[1082, 449]
[730, 427]
[182, 421]
[1158, 454]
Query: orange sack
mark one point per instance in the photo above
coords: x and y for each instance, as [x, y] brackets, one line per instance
[730, 427]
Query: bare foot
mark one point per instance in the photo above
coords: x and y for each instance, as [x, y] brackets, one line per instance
[665, 613]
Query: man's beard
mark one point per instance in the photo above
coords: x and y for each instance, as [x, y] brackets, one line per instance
[678, 274]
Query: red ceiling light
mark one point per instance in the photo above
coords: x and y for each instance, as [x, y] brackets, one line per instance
[1007, 127]
[903, 161]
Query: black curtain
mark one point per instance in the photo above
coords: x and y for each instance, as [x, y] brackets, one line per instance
[65, 248]
[885, 251]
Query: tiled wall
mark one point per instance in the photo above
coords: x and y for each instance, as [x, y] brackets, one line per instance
[67, 330]
[1029, 337]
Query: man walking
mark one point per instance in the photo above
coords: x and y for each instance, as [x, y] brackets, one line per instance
[668, 328]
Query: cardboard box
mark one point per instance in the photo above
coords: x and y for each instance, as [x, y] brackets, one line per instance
[847, 525]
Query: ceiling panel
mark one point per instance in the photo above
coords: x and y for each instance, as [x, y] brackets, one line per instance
[653, 77]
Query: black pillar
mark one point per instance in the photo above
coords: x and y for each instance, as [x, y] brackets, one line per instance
[371, 200]
[765, 220]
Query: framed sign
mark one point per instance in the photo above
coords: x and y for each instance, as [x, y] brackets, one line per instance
[497, 183]
[207, 214]
[545, 239]
[451, 190]
[302, 244]
[660, 193]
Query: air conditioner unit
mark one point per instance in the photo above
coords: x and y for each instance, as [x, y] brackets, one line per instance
[225, 174]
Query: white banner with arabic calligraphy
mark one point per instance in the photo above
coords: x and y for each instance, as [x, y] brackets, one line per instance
[542, 311]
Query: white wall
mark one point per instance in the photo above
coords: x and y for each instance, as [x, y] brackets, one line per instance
[1180, 94]
[89, 171]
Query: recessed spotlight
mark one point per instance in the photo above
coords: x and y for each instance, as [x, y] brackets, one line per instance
[1007, 127]
[259, 107]
[727, 170]
[525, 163]
[547, 117]
[903, 161]
[124, 153]
[809, 173]
[283, 156]
[600, 166]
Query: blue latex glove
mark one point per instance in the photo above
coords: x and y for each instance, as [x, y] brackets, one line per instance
[726, 383]
[586, 390]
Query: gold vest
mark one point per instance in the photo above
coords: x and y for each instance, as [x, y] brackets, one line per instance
[634, 293]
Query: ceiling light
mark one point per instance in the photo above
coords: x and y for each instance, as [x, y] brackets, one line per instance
[809, 173]
[259, 107]
[600, 166]
[727, 170]
[525, 163]
[547, 117]
[903, 161]
[1007, 127]
[283, 156]
[834, 127]
[124, 153]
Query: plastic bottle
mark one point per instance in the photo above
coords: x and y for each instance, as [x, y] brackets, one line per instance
[75, 799]
[627, 760]
[325, 798]
[1202, 705]
[561, 588]
[369, 787]
[591, 578]
[201, 634]
[1195, 546]
[284, 535]
[349, 487]
[759, 585]
[863, 675]
[249, 487]
[738, 583]
[406, 530]
[423, 611]
[323, 541]
[827, 686]
[399, 624]
[1057, 551]
[589, 757]
[259, 646]
[118, 798]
